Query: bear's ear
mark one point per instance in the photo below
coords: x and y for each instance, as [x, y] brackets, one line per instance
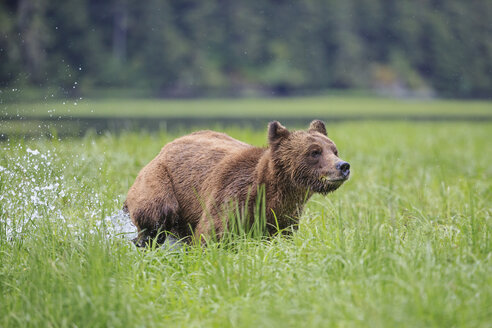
[276, 131]
[318, 126]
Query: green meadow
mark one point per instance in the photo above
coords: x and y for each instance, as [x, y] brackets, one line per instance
[320, 106]
[406, 242]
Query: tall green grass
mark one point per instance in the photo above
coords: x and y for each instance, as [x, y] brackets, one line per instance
[405, 242]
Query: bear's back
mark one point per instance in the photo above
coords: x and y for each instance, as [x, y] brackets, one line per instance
[191, 159]
[200, 149]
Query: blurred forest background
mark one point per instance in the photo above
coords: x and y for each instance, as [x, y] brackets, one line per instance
[191, 48]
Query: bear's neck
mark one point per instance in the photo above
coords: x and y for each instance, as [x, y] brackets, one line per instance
[283, 196]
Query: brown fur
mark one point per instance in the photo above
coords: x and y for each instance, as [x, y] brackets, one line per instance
[187, 188]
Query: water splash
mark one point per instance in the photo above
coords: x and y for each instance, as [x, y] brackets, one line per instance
[34, 190]
[30, 190]
[120, 224]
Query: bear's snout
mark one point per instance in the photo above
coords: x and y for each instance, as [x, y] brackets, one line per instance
[344, 168]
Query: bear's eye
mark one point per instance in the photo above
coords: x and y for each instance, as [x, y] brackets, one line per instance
[316, 153]
[336, 153]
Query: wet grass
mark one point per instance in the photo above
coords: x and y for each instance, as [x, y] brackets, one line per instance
[406, 242]
[326, 106]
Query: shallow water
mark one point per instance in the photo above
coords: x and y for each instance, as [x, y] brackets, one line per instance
[120, 224]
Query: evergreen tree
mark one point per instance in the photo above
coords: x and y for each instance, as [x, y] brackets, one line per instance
[193, 47]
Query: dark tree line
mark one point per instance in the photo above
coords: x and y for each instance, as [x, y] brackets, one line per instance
[193, 47]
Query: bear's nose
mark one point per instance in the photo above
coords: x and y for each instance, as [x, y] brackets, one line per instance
[344, 167]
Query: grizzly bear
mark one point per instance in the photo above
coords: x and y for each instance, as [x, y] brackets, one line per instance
[188, 188]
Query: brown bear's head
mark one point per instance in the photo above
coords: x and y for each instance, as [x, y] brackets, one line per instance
[309, 159]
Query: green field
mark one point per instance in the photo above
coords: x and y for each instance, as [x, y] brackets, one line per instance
[406, 242]
[326, 106]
